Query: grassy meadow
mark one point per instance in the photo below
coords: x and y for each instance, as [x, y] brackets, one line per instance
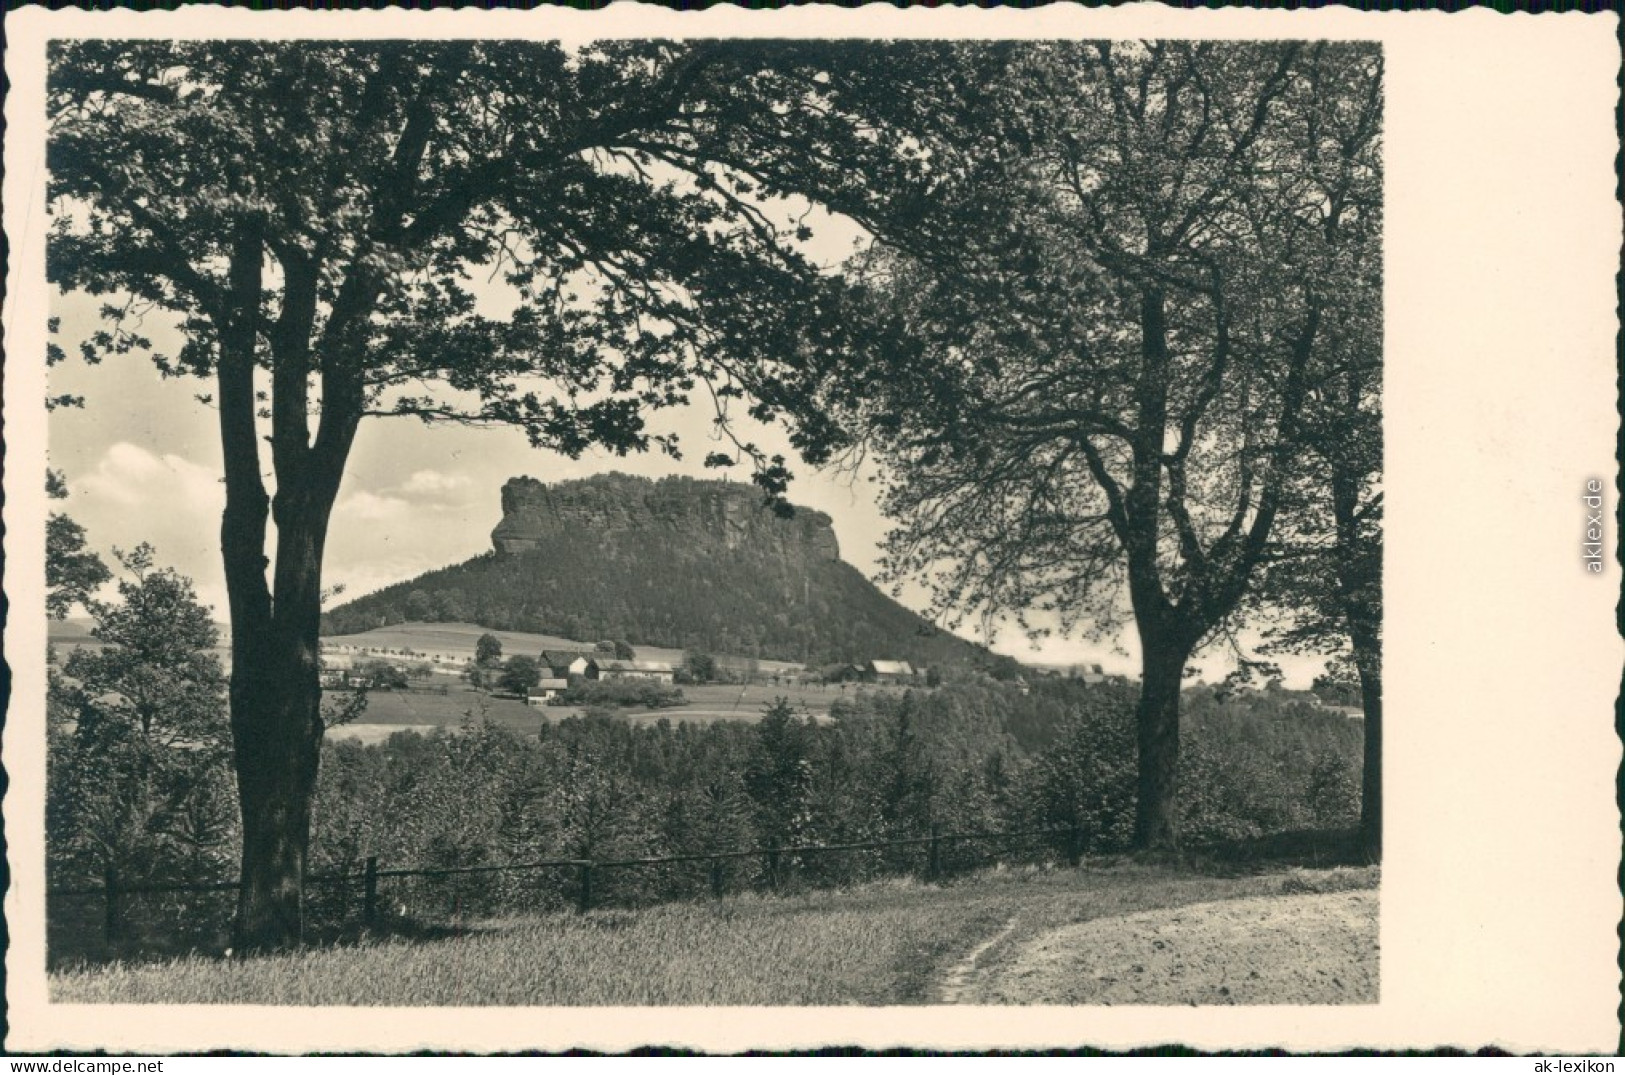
[890, 942]
[419, 709]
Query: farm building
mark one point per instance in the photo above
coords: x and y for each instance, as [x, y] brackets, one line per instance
[888, 672]
[1094, 673]
[657, 671]
[841, 673]
[335, 678]
[545, 691]
[567, 663]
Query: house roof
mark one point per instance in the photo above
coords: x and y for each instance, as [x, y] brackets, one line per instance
[636, 666]
[563, 658]
[891, 668]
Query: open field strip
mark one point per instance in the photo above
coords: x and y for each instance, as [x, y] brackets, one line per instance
[895, 942]
[460, 639]
[706, 703]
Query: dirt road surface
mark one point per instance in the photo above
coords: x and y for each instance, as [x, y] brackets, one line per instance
[1300, 949]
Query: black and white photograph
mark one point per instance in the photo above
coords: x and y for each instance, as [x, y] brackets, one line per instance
[661, 520]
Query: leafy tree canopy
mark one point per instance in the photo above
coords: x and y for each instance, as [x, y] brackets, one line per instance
[520, 674]
[73, 573]
[157, 676]
[140, 779]
[620, 199]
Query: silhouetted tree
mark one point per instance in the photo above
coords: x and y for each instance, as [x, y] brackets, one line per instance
[1140, 263]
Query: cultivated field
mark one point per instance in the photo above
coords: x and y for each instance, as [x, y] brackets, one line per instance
[394, 710]
[391, 711]
[458, 640]
[65, 636]
[896, 942]
[432, 709]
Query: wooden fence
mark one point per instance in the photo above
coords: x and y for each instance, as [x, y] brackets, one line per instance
[773, 859]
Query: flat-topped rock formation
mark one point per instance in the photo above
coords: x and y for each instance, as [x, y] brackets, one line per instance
[729, 515]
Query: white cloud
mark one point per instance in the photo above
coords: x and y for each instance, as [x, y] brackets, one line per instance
[131, 495]
[432, 484]
[362, 506]
[133, 477]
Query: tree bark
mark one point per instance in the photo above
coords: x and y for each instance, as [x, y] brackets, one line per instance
[276, 732]
[276, 714]
[1368, 662]
[1156, 819]
[1359, 584]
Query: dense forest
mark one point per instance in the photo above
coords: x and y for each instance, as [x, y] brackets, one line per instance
[974, 756]
[652, 586]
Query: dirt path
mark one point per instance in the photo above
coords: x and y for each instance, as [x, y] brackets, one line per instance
[1302, 949]
[956, 984]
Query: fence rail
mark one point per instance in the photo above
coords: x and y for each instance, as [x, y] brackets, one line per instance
[113, 891]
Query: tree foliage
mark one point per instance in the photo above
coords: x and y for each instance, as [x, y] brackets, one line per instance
[320, 219]
[487, 650]
[890, 767]
[1162, 255]
[73, 573]
[376, 673]
[140, 777]
[1172, 242]
[520, 674]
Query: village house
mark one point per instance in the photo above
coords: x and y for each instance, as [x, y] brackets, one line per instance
[545, 691]
[841, 673]
[567, 663]
[1089, 673]
[335, 678]
[888, 672]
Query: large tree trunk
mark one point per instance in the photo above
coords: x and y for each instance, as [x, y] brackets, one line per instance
[276, 692]
[1359, 570]
[1368, 661]
[1156, 820]
[276, 698]
[276, 732]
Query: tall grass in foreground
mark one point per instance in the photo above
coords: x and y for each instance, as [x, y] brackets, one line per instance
[884, 943]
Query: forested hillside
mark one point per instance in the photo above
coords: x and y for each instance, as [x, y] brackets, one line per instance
[691, 565]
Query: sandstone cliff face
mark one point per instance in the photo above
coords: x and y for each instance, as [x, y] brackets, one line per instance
[702, 514]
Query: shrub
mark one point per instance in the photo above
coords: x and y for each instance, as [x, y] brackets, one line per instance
[1086, 780]
[627, 693]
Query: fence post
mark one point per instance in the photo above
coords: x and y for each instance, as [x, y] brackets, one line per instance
[584, 891]
[110, 920]
[716, 878]
[773, 866]
[369, 892]
[933, 869]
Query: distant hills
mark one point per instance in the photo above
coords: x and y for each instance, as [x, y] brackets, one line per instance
[679, 563]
